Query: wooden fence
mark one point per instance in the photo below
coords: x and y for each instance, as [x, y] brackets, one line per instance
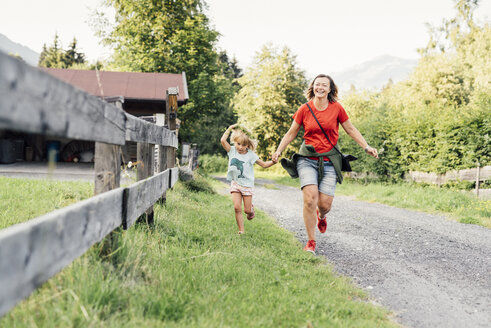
[32, 101]
[477, 175]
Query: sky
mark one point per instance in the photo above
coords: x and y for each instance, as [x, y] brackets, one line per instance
[326, 35]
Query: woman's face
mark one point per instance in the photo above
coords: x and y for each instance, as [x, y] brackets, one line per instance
[321, 87]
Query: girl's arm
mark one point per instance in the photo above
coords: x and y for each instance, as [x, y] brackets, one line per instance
[224, 138]
[287, 138]
[358, 138]
[264, 164]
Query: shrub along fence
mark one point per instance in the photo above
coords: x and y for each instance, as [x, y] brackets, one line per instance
[477, 175]
[32, 101]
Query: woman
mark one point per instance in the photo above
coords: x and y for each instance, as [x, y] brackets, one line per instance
[318, 186]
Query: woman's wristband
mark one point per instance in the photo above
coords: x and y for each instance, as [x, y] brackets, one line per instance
[366, 148]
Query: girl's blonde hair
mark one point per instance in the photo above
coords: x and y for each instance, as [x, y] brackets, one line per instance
[242, 135]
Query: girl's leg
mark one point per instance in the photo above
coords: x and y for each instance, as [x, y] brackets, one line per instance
[310, 199]
[248, 206]
[237, 200]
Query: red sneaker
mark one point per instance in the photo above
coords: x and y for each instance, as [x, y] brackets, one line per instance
[251, 215]
[321, 223]
[310, 247]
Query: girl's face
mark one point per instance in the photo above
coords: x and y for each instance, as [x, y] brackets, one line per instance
[241, 147]
[321, 87]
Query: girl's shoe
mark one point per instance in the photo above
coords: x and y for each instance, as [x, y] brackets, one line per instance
[241, 232]
[321, 223]
[251, 215]
[310, 247]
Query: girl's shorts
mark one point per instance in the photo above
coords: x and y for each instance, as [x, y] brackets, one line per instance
[245, 191]
[308, 172]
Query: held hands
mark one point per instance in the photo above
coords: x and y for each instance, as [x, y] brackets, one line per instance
[276, 157]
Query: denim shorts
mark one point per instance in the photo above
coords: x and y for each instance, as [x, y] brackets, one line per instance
[308, 172]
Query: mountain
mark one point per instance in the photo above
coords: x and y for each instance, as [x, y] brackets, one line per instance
[10, 47]
[375, 73]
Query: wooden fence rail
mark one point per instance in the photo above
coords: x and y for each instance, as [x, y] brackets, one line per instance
[463, 175]
[479, 173]
[32, 101]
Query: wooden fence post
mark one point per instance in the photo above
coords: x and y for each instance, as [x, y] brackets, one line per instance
[145, 159]
[170, 118]
[167, 155]
[107, 167]
[195, 151]
[107, 163]
[478, 169]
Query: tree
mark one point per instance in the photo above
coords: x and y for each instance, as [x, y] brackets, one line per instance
[446, 36]
[54, 56]
[72, 56]
[439, 119]
[272, 89]
[162, 36]
[230, 68]
[174, 37]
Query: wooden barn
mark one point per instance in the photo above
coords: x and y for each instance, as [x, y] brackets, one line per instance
[141, 94]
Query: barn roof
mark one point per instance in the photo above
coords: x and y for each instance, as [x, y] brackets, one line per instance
[130, 85]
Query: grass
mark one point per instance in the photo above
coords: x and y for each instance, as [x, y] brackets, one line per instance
[459, 206]
[456, 205]
[23, 199]
[193, 270]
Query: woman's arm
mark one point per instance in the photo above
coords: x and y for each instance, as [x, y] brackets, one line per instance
[287, 138]
[264, 164]
[224, 138]
[358, 138]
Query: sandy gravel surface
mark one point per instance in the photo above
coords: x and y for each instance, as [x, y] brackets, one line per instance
[430, 271]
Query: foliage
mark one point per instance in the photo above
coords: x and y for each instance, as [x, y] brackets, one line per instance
[199, 184]
[55, 57]
[271, 91]
[175, 37]
[212, 163]
[208, 112]
[439, 119]
[459, 185]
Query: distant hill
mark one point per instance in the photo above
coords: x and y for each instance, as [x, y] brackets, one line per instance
[10, 47]
[375, 73]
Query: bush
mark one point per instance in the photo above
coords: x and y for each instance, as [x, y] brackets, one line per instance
[212, 163]
[459, 185]
[199, 184]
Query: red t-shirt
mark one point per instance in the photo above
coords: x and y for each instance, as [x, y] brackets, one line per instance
[328, 118]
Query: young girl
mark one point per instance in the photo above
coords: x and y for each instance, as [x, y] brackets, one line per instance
[241, 171]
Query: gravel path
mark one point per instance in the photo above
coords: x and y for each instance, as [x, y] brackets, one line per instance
[431, 272]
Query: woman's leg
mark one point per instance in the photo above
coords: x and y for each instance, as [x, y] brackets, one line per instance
[248, 205]
[237, 200]
[310, 200]
[324, 204]
[327, 188]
